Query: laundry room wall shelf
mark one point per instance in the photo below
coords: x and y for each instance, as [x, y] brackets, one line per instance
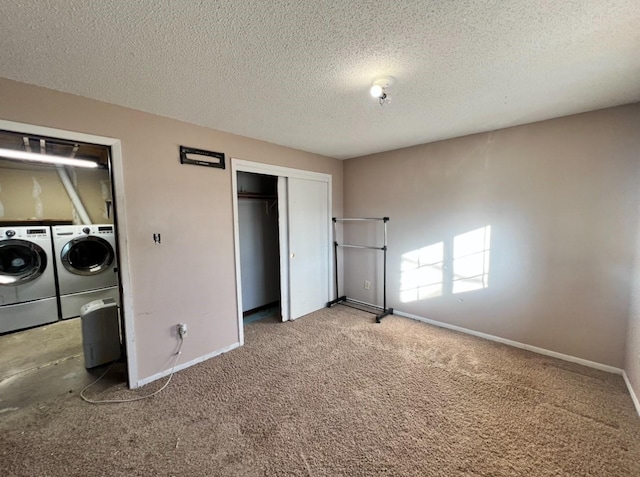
[27, 222]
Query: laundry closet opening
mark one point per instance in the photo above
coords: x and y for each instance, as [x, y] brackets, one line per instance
[60, 289]
[259, 246]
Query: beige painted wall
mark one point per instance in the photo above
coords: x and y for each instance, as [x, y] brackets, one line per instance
[191, 276]
[19, 203]
[560, 197]
[632, 358]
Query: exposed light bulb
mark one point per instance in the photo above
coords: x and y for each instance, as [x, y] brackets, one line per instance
[379, 89]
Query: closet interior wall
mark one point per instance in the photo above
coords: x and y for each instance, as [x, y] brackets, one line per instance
[259, 243]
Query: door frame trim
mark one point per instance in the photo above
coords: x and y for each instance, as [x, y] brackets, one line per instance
[117, 177]
[283, 246]
[241, 165]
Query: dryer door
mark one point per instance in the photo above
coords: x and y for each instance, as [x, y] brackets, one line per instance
[20, 262]
[87, 255]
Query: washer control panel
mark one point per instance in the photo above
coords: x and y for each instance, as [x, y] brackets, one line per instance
[96, 230]
[24, 232]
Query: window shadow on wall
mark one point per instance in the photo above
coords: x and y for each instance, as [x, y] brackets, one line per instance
[457, 265]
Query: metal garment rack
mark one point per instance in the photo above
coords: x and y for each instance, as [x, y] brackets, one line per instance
[344, 300]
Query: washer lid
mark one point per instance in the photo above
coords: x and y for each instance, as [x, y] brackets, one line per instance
[20, 262]
[88, 255]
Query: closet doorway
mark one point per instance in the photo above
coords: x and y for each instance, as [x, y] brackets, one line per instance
[303, 203]
[259, 246]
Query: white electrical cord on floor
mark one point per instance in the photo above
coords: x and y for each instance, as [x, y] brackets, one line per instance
[140, 398]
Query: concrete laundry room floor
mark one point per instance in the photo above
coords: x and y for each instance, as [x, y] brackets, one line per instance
[45, 363]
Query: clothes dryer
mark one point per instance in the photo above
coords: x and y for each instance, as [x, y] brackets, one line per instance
[27, 279]
[86, 265]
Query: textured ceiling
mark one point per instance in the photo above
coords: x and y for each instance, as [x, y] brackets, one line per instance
[297, 72]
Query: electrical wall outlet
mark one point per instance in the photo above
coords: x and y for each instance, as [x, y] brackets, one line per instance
[182, 329]
[367, 285]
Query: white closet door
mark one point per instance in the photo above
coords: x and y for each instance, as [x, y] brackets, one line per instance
[308, 246]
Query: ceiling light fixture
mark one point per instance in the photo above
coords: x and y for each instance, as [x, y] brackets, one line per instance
[379, 89]
[46, 158]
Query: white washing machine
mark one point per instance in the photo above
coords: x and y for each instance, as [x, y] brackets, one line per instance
[27, 279]
[86, 265]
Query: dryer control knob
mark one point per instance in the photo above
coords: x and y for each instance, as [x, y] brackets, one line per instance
[11, 233]
[86, 230]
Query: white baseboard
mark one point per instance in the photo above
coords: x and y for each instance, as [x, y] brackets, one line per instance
[534, 349]
[515, 344]
[634, 397]
[188, 364]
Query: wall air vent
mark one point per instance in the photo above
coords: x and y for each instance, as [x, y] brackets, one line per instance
[200, 157]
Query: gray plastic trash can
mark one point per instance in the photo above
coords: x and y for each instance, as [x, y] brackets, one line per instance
[100, 332]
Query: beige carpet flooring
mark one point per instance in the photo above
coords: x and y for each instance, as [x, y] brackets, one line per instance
[335, 394]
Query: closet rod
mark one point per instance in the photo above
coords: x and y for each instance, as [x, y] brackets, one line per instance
[384, 219]
[358, 246]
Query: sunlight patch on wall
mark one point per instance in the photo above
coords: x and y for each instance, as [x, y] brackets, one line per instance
[471, 260]
[422, 273]
[456, 265]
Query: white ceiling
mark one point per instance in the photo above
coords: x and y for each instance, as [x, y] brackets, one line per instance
[297, 72]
